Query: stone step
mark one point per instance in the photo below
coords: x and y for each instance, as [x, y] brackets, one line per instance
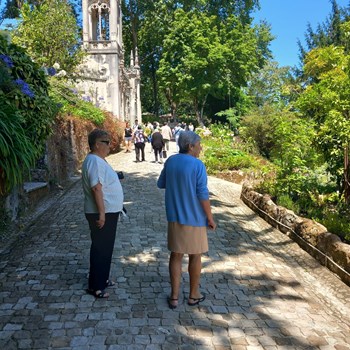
[34, 192]
[34, 186]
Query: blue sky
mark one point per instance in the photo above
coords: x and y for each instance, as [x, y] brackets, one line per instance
[288, 20]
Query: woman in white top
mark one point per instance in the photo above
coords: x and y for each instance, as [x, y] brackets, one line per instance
[103, 201]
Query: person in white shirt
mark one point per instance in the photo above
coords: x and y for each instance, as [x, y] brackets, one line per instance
[167, 135]
[177, 131]
[103, 202]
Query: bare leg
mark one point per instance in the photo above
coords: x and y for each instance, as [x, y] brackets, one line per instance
[175, 269]
[194, 270]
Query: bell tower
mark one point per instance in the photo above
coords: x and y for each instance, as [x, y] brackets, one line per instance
[102, 24]
[104, 79]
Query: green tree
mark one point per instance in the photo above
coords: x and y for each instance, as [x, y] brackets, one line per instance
[151, 35]
[50, 34]
[293, 152]
[200, 58]
[270, 85]
[327, 100]
[147, 23]
[328, 32]
[191, 60]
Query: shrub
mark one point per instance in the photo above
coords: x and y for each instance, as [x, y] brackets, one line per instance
[287, 202]
[116, 131]
[73, 104]
[219, 153]
[26, 115]
[336, 223]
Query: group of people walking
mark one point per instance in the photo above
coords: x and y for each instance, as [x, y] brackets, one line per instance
[188, 211]
[158, 136]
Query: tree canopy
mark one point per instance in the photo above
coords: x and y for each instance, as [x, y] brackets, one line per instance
[50, 33]
[155, 27]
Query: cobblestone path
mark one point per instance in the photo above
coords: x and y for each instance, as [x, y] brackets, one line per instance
[263, 291]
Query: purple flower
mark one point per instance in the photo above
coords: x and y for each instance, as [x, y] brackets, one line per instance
[51, 71]
[7, 60]
[24, 88]
[75, 91]
[101, 98]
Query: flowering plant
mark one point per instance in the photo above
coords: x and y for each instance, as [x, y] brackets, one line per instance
[26, 114]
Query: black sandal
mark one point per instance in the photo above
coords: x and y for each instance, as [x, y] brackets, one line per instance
[110, 283]
[196, 300]
[172, 306]
[98, 294]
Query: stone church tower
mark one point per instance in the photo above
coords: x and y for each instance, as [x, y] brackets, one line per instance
[104, 79]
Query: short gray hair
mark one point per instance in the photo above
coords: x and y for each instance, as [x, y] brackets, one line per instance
[187, 138]
[94, 135]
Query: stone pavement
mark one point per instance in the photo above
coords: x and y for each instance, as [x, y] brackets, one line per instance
[263, 291]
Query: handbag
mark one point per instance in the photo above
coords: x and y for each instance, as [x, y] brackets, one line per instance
[164, 154]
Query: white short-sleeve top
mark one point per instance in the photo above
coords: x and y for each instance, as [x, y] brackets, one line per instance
[96, 170]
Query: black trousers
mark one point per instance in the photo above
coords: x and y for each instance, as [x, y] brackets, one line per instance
[140, 146]
[158, 151]
[102, 244]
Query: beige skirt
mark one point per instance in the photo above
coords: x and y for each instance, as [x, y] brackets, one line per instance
[187, 239]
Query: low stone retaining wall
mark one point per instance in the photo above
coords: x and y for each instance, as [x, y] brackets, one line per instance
[313, 237]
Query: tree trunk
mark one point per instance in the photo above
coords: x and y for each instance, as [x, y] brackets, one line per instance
[196, 109]
[346, 175]
[134, 23]
[173, 107]
[172, 103]
[202, 108]
[155, 90]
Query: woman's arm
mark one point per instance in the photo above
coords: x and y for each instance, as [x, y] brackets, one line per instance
[98, 195]
[161, 183]
[207, 210]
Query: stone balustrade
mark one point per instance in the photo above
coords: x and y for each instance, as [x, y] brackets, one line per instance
[313, 237]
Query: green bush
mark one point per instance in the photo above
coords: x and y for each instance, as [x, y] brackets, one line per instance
[219, 153]
[71, 102]
[287, 202]
[336, 223]
[26, 114]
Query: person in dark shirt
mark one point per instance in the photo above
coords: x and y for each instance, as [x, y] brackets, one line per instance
[127, 137]
[157, 144]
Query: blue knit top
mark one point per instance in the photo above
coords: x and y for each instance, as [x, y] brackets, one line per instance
[184, 178]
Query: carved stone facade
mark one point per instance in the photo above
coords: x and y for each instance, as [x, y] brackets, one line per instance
[104, 79]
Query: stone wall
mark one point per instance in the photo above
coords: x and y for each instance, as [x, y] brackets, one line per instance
[313, 237]
[66, 148]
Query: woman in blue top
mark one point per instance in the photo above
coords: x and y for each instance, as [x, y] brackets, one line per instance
[188, 213]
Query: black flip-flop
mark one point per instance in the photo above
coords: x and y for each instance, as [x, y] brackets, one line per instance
[196, 300]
